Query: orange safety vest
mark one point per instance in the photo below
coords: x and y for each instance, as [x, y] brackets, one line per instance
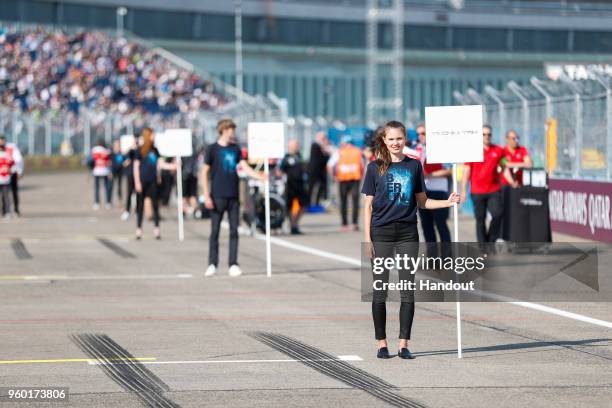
[350, 164]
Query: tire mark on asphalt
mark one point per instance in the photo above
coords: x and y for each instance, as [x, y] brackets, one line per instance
[337, 369]
[116, 248]
[20, 250]
[130, 374]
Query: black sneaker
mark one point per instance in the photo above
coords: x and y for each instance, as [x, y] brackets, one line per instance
[383, 352]
[295, 231]
[405, 354]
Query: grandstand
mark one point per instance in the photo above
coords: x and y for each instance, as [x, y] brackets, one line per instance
[312, 52]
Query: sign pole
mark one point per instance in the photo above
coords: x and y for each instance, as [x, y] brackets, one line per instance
[456, 239]
[179, 197]
[267, 198]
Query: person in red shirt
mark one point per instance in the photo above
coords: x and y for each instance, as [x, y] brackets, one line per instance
[100, 163]
[436, 181]
[485, 187]
[6, 163]
[516, 159]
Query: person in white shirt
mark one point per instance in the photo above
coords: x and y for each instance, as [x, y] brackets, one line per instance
[16, 171]
[100, 164]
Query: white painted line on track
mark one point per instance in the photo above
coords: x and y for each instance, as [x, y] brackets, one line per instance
[340, 358]
[356, 262]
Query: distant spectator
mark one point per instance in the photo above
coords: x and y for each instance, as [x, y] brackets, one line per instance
[347, 166]
[100, 164]
[16, 171]
[117, 161]
[292, 166]
[190, 170]
[317, 169]
[6, 163]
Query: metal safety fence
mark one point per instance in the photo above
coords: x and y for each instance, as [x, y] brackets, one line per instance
[565, 124]
[63, 133]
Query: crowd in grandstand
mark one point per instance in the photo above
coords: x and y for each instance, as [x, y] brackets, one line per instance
[53, 70]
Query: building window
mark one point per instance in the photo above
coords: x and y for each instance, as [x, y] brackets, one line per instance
[486, 39]
[540, 40]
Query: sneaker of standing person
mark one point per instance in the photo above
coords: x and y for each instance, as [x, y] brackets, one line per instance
[210, 271]
[234, 271]
[95, 207]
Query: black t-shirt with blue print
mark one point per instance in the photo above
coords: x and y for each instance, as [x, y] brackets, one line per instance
[394, 191]
[148, 165]
[223, 161]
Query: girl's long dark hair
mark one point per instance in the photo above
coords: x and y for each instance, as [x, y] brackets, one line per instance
[147, 141]
[383, 157]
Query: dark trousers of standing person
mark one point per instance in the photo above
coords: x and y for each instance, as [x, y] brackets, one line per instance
[318, 182]
[432, 220]
[15, 191]
[167, 181]
[232, 207]
[108, 188]
[5, 198]
[149, 189]
[117, 178]
[349, 188]
[493, 203]
[130, 190]
[388, 240]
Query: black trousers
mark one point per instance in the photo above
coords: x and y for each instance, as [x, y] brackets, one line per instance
[232, 206]
[129, 192]
[167, 182]
[5, 198]
[432, 220]
[149, 189]
[388, 240]
[15, 190]
[318, 182]
[117, 177]
[349, 188]
[493, 203]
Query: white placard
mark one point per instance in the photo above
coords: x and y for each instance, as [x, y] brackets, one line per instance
[174, 143]
[454, 134]
[266, 140]
[126, 142]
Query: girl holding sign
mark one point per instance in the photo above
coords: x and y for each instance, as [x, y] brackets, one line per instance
[394, 186]
[147, 176]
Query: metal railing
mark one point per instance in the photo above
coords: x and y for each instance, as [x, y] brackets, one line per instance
[566, 124]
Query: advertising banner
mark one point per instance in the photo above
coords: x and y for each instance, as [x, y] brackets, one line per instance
[581, 208]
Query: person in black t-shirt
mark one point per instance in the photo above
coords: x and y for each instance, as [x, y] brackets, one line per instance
[128, 171]
[292, 166]
[117, 160]
[393, 188]
[317, 169]
[221, 192]
[147, 166]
